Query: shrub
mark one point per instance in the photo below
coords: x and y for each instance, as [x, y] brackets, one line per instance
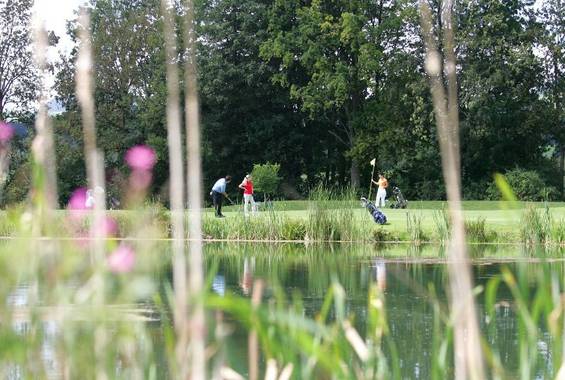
[266, 177]
[527, 185]
[477, 232]
[475, 190]
[430, 190]
[382, 235]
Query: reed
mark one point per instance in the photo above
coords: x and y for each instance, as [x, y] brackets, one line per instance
[440, 65]
[44, 177]
[265, 226]
[414, 228]
[177, 188]
[331, 217]
[558, 232]
[534, 309]
[442, 225]
[536, 226]
[95, 176]
[197, 323]
[477, 231]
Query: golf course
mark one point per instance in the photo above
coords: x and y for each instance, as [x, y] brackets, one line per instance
[423, 221]
[282, 189]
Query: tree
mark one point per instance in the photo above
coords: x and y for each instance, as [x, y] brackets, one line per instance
[322, 87]
[130, 92]
[502, 110]
[527, 185]
[245, 117]
[18, 77]
[266, 178]
[342, 47]
[552, 45]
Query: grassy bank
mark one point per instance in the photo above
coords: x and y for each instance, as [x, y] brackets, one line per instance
[423, 221]
[327, 219]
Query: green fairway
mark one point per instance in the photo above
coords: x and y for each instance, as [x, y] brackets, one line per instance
[503, 218]
[416, 205]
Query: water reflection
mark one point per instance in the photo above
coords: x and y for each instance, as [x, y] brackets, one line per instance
[408, 283]
[21, 300]
[219, 284]
[380, 273]
[409, 278]
[247, 277]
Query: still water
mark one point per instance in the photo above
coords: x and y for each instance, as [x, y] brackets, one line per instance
[410, 278]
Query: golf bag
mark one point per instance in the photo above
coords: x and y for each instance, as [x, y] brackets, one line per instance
[400, 201]
[378, 216]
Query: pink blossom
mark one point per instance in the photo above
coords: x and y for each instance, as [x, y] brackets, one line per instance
[77, 206]
[6, 132]
[107, 227]
[141, 157]
[78, 199]
[122, 259]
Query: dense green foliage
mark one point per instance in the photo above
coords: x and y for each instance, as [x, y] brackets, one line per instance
[322, 88]
[266, 177]
[527, 185]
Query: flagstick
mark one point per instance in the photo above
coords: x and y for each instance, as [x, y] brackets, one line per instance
[371, 183]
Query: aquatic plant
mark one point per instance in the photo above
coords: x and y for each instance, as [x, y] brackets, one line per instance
[477, 231]
[536, 226]
[414, 227]
[442, 225]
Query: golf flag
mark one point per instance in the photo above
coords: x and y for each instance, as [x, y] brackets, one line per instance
[373, 161]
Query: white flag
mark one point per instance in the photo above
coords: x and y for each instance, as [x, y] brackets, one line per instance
[373, 161]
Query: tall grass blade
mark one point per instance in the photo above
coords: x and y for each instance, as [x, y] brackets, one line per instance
[414, 228]
[443, 83]
[95, 175]
[194, 187]
[44, 182]
[176, 190]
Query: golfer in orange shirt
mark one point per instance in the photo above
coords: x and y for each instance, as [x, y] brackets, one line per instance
[381, 193]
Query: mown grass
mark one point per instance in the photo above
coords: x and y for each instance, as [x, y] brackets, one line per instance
[298, 205]
[486, 221]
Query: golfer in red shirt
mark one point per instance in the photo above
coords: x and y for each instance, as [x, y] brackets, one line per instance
[247, 187]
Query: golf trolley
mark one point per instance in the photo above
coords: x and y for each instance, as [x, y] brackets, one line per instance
[378, 216]
[400, 201]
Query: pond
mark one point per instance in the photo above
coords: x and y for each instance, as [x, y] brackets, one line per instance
[412, 281]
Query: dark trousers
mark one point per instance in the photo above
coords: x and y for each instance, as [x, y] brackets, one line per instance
[217, 199]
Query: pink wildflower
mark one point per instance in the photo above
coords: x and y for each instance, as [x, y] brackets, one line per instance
[122, 259]
[141, 157]
[78, 199]
[77, 206]
[6, 132]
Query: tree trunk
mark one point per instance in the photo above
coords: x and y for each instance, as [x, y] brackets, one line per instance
[562, 169]
[328, 176]
[355, 181]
